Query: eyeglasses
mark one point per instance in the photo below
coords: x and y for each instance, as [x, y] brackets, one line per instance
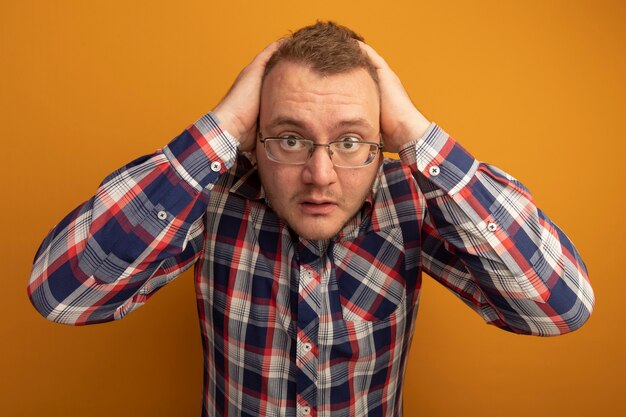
[347, 152]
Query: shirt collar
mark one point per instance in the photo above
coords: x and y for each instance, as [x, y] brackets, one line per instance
[247, 182]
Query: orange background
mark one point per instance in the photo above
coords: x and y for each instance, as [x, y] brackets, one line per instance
[535, 87]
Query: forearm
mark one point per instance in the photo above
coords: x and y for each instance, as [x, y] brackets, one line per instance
[141, 229]
[486, 240]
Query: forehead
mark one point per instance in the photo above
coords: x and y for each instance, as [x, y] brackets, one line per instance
[293, 94]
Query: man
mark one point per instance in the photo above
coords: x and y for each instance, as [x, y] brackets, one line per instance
[308, 246]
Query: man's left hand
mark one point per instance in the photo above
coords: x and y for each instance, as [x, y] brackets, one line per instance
[400, 120]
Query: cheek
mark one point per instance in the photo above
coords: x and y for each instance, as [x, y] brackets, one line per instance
[356, 189]
[356, 184]
[279, 183]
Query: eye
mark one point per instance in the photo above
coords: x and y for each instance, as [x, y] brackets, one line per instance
[292, 143]
[347, 143]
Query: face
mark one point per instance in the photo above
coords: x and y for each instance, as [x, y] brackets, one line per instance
[316, 199]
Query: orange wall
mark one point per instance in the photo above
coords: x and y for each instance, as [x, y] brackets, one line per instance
[535, 87]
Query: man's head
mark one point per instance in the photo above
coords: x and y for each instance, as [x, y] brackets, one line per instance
[325, 47]
[318, 86]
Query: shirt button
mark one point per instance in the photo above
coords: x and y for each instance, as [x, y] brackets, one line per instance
[434, 170]
[306, 411]
[162, 215]
[216, 166]
[307, 348]
[492, 227]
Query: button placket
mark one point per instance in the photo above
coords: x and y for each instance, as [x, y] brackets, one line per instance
[305, 346]
[311, 262]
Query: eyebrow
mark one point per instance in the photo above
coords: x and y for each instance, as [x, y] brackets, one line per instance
[286, 121]
[289, 121]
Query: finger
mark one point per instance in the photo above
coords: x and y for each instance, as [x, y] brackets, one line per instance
[264, 56]
[378, 61]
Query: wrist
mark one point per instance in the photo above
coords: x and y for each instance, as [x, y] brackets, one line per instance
[407, 132]
[414, 130]
[227, 122]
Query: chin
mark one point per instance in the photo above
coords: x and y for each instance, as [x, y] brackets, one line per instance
[315, 233]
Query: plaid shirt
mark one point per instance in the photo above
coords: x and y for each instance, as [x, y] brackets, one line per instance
[292, 327]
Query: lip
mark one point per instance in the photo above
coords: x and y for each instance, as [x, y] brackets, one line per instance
[317, 207]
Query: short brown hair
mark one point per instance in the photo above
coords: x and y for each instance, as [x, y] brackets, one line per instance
[328, 48]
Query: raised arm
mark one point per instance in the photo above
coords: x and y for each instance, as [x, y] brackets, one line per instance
[144, 225]
[483, 236]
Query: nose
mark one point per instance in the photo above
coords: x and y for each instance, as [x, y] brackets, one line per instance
[319, 169]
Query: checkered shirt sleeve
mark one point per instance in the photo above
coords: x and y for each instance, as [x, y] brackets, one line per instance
[142, 228]
[485, 239]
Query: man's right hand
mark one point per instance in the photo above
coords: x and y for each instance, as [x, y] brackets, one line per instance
[239, 109]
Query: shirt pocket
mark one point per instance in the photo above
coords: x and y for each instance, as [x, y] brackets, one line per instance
[369, 272]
